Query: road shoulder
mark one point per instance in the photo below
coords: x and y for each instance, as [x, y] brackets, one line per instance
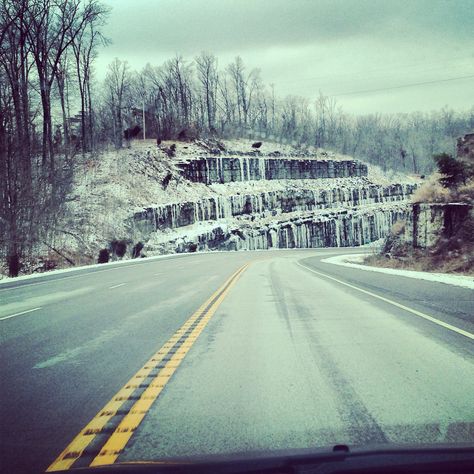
[353, 261]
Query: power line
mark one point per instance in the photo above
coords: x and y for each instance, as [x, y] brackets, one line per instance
[413, 84]
[394, 67]
[350, 80]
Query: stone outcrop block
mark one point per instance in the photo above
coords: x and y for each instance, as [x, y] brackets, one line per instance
[282, 201]
[427, 222]
[210, 170]
[338, 228]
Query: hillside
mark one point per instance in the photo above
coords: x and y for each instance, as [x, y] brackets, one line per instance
[142, 194]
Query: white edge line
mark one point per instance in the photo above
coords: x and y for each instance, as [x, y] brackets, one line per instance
[117, 265]
[116, 286]
[131, 263]
[19, 314]
[398, 305]
[351, 260]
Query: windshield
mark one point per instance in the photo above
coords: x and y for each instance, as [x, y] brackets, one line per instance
[234, 229]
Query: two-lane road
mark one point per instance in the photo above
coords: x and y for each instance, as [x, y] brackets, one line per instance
[229, 352]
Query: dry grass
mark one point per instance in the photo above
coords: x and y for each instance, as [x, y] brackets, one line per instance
[398, 227]
[432, 191]
[449, 255]
[425, 260]
[459, 265]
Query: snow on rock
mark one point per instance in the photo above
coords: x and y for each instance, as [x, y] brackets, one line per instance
[339, 227]
[142, 194]
[283, 200]
[228, 169]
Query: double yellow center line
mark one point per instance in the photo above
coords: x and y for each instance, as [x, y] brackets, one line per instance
[144, 387]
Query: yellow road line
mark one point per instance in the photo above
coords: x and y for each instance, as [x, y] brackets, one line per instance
[119, 438]
[394, 303]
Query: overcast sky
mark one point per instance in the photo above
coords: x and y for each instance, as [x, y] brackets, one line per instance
[362, 52]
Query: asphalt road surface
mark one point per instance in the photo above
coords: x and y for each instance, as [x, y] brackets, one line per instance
[225, 353]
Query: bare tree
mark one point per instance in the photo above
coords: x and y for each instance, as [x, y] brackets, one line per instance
[84, 47]
[117, 83]
[51, 28]
[208, 78]
[227, 104]
[35, 36]
[62, 78]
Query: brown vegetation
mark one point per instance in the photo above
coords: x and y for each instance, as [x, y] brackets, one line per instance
[450, 253]
[459, 261]
[432, 191]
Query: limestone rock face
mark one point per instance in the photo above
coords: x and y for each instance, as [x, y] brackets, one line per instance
[427, 222]
[282, 201]
[229, 169]
[262, 202]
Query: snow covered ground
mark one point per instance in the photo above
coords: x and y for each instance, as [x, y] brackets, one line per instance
[104, 267]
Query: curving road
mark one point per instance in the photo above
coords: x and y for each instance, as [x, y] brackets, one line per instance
[229, 352]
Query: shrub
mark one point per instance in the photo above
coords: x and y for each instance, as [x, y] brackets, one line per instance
[398, 227]
[104, 256]
[47, 265]
[119, 247]
[137, 248]
[465, 193]
[454, 171]
[166, 180]
[188, 134]
[130, 133]
[171, 151]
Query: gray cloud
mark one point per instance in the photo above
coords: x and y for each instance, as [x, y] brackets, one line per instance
[302, 46]
[220, 25]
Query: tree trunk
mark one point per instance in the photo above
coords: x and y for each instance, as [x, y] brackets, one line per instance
[13, 261]
[83, 116]
[90, 124]
[47, 141]
[60, 82]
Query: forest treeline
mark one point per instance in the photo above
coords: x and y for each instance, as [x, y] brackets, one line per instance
[53, 107]
[198, 97]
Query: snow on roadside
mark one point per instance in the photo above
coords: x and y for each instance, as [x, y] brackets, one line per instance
[105, 266]
[354, 261]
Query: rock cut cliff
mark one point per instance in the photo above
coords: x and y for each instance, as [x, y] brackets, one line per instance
[264, 200]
